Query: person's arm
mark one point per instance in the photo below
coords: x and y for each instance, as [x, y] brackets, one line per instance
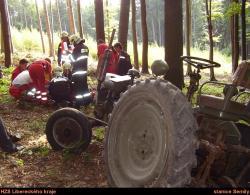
[129, 61]
[14, 74]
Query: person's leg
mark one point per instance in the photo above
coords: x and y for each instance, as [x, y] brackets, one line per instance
[14, 92]
[5, 142]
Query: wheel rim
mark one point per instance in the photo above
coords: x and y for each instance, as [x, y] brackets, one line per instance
[140, 145]
[67, 132]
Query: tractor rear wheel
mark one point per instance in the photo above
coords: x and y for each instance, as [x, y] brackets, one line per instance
[150, 141]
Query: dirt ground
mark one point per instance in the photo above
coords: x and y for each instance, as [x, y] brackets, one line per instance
[37, 165]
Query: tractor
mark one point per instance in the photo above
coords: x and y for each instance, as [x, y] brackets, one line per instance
[154, 138]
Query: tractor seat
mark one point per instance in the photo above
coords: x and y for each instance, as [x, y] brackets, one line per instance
[117, 83]
[217, 103]
[117, 78]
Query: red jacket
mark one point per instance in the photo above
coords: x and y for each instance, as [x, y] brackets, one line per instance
[101, 49]
[113, 61]
[15, 72]
[37, 71]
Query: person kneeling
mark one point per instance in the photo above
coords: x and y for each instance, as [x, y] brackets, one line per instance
[37, 76]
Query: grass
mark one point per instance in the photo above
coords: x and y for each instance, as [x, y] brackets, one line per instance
[41, 151]
[36, 125]
[20, 162]
[99, 133]
[4, 85]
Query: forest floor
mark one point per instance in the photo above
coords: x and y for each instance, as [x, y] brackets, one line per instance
[37, 165]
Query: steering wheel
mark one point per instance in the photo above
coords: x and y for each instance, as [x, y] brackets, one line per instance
[200, 63]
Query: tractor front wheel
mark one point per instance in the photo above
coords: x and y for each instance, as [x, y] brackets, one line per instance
[68, 128]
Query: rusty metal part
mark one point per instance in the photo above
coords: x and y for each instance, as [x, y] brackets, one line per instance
[238, 148]
[204, 171]
[230, 181]
[242, 173]
[98, 120]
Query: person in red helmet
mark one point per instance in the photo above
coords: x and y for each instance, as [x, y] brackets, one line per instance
[20, 67]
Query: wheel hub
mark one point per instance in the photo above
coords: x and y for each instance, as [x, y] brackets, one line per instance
[144, 143]
[67, 132]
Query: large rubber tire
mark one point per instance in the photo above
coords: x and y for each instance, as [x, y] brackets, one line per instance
[150, 141]
[70, 129]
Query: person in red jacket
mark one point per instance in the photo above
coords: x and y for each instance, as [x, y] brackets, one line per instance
[21, 67]
[102, 51]
[101, 47]
[36, 76]
[113, 61]
[41, 73]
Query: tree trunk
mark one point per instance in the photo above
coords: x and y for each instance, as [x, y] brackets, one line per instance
[144, 37]
[210, 35]
[188, 32]
[1, 37]
[235, 39]
[10, 17]
[243, 31]
[158, 24]
[123, 24]
[11, 44]
[71, 17]
[51, 48]
[174, 41]
[6, 32]
[99, 20]
[160, 35]
[52, 27]
[58, 16]
[133, 23]
[40, 26]
[153, 31]
[25, 16]
[31, 23]
[108, 30]
[79, 17]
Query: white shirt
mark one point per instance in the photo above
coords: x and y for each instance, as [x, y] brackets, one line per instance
[22, 79]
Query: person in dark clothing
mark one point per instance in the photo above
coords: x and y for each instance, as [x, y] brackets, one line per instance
[124, 62]
[6, 140]
[64, 47]
[79, 56]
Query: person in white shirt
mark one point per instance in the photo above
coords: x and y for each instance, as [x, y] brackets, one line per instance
[21, 84]
[22, 79]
